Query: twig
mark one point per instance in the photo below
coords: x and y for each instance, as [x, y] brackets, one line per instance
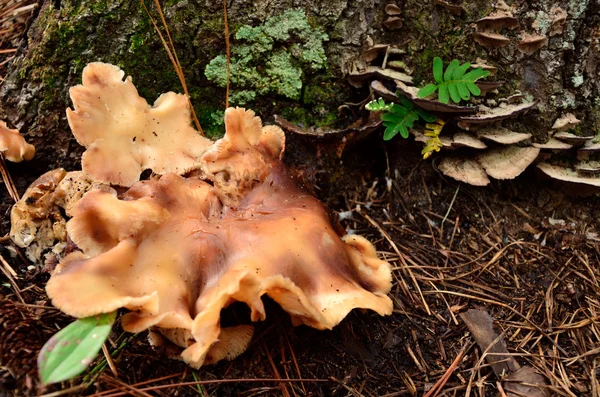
[444, 379]
[173, 57]
[10, 184]
[228, 50]
[450, 207]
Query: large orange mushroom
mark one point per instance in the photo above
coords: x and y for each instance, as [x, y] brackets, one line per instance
[175, 251]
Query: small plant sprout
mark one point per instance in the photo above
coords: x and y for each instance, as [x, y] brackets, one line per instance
[454, 83]
[398, 118]
[69, 352]
[434, 144]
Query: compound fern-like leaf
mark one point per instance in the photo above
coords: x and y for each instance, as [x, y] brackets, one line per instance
[398, 118]
[454, 83]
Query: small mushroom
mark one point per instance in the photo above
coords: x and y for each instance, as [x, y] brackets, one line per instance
[566, 122]
[431, 105]
[371, 53]
[502, 135]
[480, 63]
[559, 18]
[393, 23]
[464, 170]
[13, 145]
[124, 135]
[465, 140]
[590, 146]
[553, 144]
[507, 162]
[487, 86]
[496, 21]
[572, 138]
[490, 39]
[568, 175]
[588, 167]
[491, 115]
[455, 9]
[358, 79]
[531, 43]
[392, 9]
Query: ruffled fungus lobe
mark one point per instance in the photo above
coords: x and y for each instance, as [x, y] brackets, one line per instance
[37, 222]
[176, 251]
[124, 135]
[13, 145]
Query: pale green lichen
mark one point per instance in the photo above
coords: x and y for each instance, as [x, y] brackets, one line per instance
[270, 58]
[577, 80]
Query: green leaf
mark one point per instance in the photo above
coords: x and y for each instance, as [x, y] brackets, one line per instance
[453, 83]
[378, 105]
[71, 350]
[443, 93]
[448, 75]
[438, 69]
[453, 89]
[407, 103]
[476, 74]
[473, 88]
[460, 71]
[425, 115]
[427, 90]
[389, 133]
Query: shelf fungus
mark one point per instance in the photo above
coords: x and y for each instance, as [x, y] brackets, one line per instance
[13, 146]
[176, 250]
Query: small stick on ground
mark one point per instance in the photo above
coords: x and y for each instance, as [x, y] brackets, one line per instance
[442, 381]
[10, 184]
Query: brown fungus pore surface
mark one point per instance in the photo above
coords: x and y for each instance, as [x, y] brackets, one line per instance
[124, 135]
[176, 251]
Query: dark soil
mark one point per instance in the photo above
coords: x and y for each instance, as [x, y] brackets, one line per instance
[501, 248]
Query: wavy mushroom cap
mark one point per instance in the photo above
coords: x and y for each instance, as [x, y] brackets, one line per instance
[13, 145]
[176, 251]
[124, 135]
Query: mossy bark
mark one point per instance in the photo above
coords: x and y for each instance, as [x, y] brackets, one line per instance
[65, 35]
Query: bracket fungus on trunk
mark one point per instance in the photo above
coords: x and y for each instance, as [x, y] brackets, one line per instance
[176, 250]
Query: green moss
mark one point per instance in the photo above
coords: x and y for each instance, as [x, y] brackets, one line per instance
[271, 58]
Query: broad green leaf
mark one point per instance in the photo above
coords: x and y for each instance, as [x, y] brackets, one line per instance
[475, 74]
[438, 70]
[443, 93]
[450, 70]
[453, 89]
[71, 350]
[427, 90]
[460, 71]
[389, 133]
[407, 103]
[464, 91]
[425, 115]
[403, 131]
[473, 88]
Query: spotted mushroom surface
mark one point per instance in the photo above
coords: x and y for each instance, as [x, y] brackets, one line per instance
[175, 251]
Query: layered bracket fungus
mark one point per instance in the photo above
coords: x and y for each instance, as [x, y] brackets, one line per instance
[177, 249]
